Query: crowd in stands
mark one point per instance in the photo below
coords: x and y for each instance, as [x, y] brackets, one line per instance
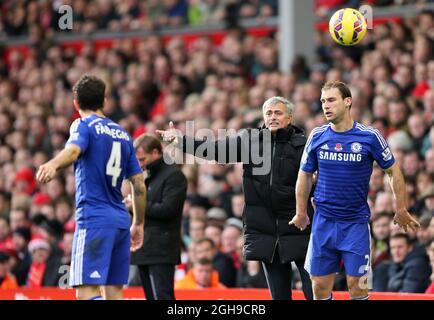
[22, 17]
[149, 83]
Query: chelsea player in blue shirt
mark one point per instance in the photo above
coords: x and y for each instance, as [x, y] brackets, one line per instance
[103, 155]
[342, 152]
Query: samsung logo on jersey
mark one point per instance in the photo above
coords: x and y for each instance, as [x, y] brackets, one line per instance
[114, 133]
[335, 156]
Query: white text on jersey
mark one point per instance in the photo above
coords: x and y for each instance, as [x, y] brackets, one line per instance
[335, 156]
[114, 133]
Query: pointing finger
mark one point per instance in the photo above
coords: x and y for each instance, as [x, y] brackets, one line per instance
[161, 132]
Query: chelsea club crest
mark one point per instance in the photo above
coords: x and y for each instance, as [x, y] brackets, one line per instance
[356, 147]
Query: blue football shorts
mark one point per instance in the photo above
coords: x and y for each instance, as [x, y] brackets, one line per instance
[334, 242]
[100, 256]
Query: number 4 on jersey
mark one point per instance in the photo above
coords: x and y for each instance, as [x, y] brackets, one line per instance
[113, 167]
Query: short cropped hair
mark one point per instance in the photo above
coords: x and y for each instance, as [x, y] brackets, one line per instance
[148, 143]
[342, 87]
[89, 91]
[275, 100]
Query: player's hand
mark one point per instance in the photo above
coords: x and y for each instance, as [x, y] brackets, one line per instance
[168, 135]
[136, 237]
[46, 172]
[404, 219]
[300, 221]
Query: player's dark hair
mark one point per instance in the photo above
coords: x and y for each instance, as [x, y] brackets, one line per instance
[148, 143]
[89, 91]
[342, 87]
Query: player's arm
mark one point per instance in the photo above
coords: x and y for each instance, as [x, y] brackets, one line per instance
[138, 192]
[64, 158]
[397, 183]
[303, 188]
[219, 150]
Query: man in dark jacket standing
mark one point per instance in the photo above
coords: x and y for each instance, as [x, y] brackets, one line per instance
[271, 158]
[160, 253]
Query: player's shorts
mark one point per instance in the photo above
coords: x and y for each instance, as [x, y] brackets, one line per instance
[100, 256]
[332, 242]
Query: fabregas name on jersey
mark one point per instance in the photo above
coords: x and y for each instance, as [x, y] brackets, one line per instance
[114, 133]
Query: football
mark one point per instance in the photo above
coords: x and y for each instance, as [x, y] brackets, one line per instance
[347, 27]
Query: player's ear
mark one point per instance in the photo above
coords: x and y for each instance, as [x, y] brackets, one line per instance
[76, 105]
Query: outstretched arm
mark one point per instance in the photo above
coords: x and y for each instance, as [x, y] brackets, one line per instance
[397, 183]
[303, 188]
[138, 191]
[226, 150]
[64, 158]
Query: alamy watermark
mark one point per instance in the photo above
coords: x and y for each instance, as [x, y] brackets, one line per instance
[365, 281]
[251, 146]
[64, 270]
[368, 13]
[66, 20]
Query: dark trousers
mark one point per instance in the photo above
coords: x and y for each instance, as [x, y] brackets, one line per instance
[157, 281]
[279, 278]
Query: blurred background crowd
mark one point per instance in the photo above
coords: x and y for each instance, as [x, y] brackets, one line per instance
[151, 82]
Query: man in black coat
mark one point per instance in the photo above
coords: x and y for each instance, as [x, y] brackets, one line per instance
[271, 158]
[166, 186]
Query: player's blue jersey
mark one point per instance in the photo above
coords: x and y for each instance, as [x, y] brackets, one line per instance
[107, 157]
[344, 161]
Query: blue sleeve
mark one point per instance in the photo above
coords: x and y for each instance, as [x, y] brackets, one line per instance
[133, 166]
[309, 161]
[380, 150]
[79, 135]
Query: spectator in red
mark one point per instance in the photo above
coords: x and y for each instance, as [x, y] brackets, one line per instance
[39, 200]
[44, 270]
[25, 181]
[7, 279]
